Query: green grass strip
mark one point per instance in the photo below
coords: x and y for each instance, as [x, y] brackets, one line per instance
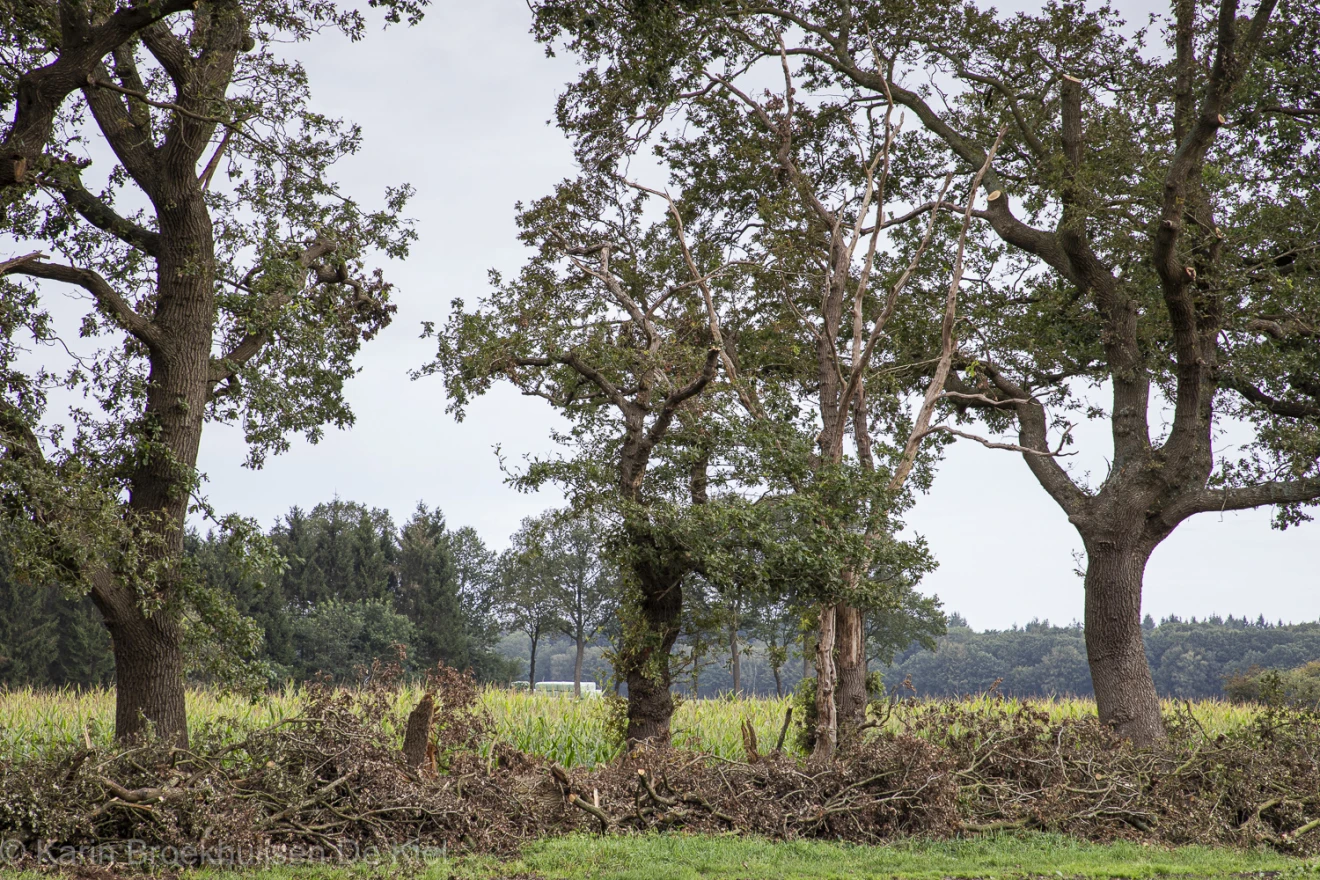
[688, 857]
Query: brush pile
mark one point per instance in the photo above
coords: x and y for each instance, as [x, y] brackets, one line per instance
[335, 778]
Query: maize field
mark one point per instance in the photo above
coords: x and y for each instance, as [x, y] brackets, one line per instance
[573, 733]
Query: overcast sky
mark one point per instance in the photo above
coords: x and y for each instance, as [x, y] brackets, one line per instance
[458, 107]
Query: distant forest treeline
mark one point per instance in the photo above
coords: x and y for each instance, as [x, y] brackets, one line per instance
[354, 583]
[1190, 659]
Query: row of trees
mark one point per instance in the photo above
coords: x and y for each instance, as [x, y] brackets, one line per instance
[1188, 659]
[1137, 218]
[350, 584]
[875, 228]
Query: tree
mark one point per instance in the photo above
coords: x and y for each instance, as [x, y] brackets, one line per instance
[1147, 231]
[605, 324]
[806, 183]
[439, 591]
[527, 593]
[340, 550]
[225, 274]
[341, 639]
[779, 625]
[586, 584]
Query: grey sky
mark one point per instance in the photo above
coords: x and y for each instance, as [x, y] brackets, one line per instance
[458, 107]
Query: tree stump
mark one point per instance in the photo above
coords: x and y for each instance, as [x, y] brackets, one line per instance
[417, 736]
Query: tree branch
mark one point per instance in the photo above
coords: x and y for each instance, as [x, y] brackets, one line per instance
[1272, 405]
[1246, 497]
[991, 444]
[40, 92]
[687, 392]
[102, 216]
[106, 296]
[228, 365]
[948, 343]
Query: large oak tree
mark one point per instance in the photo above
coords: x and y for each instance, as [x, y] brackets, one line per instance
[164, 161]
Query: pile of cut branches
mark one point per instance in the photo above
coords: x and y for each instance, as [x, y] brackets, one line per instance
[336, 778]
[1016, 769]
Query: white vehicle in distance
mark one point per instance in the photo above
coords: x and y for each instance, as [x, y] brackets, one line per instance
[589, 688]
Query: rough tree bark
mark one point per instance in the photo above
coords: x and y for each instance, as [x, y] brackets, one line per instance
[417, 733]
[827, 723]
[851, 694]
[1125, 692]
[645, 663]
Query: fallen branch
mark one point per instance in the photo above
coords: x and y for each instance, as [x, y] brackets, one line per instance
[604, 818]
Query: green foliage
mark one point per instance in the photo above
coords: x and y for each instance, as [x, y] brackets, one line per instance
[187, 185]
[48, 639]
[342, 567]
[341, 639]
[1277, 687]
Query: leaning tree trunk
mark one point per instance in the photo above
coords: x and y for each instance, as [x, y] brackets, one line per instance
[851, 695]
[1124, 690]
[531, 664]
[827, 723]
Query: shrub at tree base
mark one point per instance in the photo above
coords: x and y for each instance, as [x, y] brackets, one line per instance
[1296, 687]
[335, 778]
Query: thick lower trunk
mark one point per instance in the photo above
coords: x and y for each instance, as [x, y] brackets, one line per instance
[650, 708]
[646, 663]
[827, 724]
[1124, 691]
[577, 665]
[149, 684]
[851, 696]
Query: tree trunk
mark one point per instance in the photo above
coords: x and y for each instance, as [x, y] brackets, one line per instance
[851, 696]
[149, 685]
[531, 664]
[827, 725]
[417, 734]
[1124, 691]
[779, 682]
[577, 664]
[646, 663]
[735, 665]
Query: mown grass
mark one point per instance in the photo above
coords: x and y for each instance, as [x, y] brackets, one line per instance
[685, 857]
[572, 732]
